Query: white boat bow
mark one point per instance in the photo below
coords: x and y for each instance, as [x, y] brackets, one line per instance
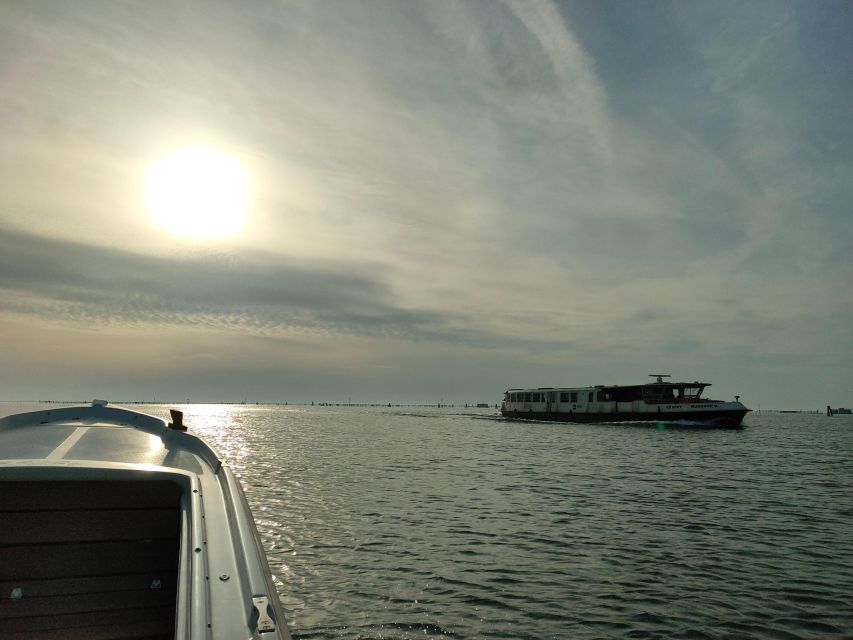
[117, 524]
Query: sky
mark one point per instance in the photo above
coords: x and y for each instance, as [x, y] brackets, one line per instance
[445, 199]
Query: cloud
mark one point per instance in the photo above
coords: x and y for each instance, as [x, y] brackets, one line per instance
[582, 95]
[80, 284]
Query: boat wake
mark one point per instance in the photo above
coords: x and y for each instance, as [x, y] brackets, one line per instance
[668, 424]
[474, 416]
[651, 424]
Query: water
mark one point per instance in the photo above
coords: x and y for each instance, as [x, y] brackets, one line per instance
[392, 523]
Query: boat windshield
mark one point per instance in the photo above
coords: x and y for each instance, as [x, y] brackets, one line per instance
[660, 393]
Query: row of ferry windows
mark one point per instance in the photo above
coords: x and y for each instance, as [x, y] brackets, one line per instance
[565, 396]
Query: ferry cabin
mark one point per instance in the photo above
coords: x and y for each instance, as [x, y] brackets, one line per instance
[602, 399]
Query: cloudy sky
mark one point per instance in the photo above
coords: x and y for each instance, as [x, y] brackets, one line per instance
[445, 199]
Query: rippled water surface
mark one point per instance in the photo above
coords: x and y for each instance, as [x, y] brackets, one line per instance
[395, 523]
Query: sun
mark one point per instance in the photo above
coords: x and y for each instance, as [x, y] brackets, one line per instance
[197, 192]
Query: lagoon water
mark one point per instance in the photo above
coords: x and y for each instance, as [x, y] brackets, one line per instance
[452, 523]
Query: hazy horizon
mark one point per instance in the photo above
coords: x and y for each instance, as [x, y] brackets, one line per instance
[445, 199]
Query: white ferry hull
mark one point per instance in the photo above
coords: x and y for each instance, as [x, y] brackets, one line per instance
[730, 418]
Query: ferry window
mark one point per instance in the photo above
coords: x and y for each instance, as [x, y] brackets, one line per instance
[574, 396]
[527, 397]
[590, 396]
[564, 396]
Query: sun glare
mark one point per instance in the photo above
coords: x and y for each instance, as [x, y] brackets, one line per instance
[197, 192]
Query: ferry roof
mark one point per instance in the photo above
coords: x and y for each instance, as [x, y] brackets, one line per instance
[695, 383]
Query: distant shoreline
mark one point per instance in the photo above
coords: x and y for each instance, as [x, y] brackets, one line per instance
[469, 405]
[263, 404]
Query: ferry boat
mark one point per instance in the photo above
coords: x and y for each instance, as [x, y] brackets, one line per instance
[659, 402]
[116, 524]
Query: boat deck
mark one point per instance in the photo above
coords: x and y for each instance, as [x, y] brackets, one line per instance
[96, 557]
